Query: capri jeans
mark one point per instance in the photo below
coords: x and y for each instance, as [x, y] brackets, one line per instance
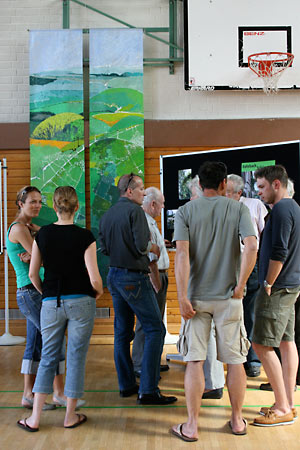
[76, 314]
[30, 302]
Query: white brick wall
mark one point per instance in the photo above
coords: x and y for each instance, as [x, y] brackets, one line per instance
[165, 97]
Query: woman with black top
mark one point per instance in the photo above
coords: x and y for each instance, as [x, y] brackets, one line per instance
[71, 284]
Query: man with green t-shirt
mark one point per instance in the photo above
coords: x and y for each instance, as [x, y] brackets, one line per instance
[211, 276]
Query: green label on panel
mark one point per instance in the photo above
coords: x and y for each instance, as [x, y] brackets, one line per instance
[252, 166]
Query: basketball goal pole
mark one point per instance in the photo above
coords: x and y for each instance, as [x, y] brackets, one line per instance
[6, 338]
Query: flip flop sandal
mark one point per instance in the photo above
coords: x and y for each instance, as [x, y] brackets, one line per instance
[178, 433]
[26, 427]
[81, 419]
[239, 433]
[29, 401]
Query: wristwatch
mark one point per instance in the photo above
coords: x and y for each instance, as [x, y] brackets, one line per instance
[267, 285]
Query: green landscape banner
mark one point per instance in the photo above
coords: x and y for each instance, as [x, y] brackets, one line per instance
[116, 116]
[56, 116]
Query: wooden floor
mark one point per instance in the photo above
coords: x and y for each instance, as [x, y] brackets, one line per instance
[115, 423]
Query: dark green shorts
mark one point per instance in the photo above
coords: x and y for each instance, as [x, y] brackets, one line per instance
[275, 316]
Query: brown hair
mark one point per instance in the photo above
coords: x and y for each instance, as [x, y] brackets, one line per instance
[271, 173]
[23, 194]
[65, 199]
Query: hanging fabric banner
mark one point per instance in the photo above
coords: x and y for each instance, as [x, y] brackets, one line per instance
[116, 116]
[56, 116]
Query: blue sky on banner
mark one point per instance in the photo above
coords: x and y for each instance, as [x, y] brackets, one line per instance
[127, 51]
[42, 43]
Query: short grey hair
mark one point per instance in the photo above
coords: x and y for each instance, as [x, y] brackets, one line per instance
[238, 182]
[194, 183]
[290, 188]
[152, 194]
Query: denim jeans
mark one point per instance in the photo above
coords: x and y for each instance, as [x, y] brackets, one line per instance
[133, 294]
[30, 303]
[76, 314]
[249, 306]
[139, 336]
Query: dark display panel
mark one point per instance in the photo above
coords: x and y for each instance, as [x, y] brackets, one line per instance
[285, 153]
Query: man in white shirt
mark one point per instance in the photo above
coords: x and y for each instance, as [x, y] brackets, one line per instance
[258, 211]
[152, 205]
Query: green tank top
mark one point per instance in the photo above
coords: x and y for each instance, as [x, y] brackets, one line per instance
[19, 266]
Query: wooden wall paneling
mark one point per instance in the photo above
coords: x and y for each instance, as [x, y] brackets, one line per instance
[18, 175]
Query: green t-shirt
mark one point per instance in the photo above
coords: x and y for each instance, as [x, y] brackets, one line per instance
[213, 226]
[19, 266]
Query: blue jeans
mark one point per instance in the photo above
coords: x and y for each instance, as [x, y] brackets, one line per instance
[76, 314]
[249, 307]
[133, 294]
[30, 303]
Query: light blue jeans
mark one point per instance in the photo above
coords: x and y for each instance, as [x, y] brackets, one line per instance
[76, 314]
[30, 303]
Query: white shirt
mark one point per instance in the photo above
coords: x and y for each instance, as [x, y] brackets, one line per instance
[258, 211]
[163, 262]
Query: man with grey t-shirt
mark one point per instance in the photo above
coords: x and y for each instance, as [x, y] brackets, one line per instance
[211, 277]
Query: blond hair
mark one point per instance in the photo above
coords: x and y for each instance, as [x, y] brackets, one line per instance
[65, 199]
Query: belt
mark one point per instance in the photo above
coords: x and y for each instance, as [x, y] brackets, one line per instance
[163, 270]
[28, 286]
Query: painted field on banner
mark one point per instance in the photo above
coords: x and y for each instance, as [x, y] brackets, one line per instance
[116, 116]
[56, 116]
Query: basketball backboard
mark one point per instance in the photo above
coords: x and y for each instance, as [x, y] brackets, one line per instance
[221, 34]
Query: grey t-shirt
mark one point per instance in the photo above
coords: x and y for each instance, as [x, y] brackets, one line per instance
[213, 226]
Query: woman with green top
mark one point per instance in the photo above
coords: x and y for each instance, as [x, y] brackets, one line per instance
[19, 245]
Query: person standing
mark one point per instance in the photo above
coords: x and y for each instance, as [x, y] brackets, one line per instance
[152, 205]
[258, 212]
[71, 284]
[125, 237]
[211, 278]
[212, 368]
[19, 243]
[279, 278]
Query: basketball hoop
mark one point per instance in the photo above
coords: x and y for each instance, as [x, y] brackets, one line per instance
[270, 66]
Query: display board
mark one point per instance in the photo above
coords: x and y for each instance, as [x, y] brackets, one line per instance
[177, 170]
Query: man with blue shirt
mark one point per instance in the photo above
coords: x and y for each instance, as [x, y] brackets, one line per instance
[279, 278]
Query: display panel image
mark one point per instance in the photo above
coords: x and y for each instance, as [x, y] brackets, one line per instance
[184, 176]
[239, 160]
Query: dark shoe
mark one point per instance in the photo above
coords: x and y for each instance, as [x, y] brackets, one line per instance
[268, 387]
[265, 387]
[253, 372]
[164, 367]
[214, 393]
[129, 392]
[155, 399]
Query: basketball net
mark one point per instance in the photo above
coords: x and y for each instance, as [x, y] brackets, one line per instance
[270, 67]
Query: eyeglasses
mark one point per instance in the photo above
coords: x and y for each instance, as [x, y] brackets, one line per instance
[131, 177]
